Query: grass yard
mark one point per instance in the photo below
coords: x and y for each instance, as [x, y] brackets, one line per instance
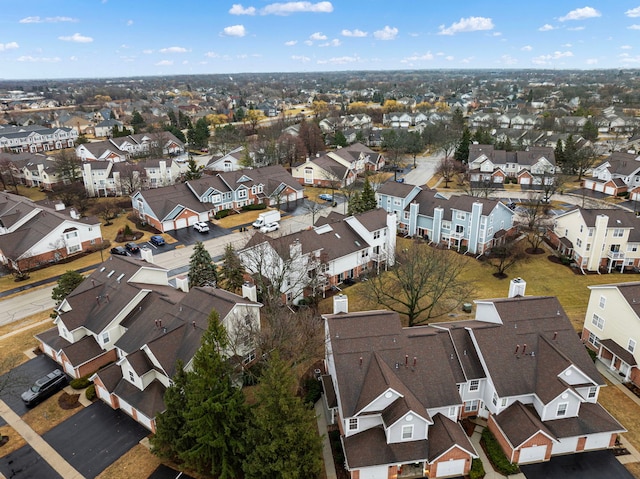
[233, 221]
[137, 462]
[624, 410]
[48, 414]
[16, 441]
[543, 278]
[13, 347]
[633, 468]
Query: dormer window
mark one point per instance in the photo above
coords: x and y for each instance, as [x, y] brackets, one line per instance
[407, 432]
[353, 424]
[562, 409]
[474, 385]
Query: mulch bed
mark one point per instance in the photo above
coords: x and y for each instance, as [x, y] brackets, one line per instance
[69, 401]
[4, 440]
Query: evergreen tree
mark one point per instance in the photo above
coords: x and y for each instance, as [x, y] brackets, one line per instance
[231, 271]
[457, 120]
[368, 197]
[282, 439]
[590, 131]
[482, 136]
[176, 132]
[66, 284]
[137, 122]
[559, 153]
[202, 270]
[462, 150]
[339, 139]
[198, 135]
[355, 204]
[193, 171]
[216, 412]
[570, 154]
[170, 439]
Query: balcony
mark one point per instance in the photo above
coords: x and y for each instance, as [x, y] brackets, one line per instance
[615, 255]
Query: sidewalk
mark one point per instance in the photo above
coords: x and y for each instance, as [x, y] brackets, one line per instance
[49, 454]
[329, 466]
[488, 468]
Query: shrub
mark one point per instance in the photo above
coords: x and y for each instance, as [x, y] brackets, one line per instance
[496, 455]
[80, 383]
[127, 230]
[222, 214]
[254, 206]
[313, 390]
[91, 393]
[592, 353]
[477, 469]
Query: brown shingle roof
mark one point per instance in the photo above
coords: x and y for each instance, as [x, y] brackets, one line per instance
[370, 448]
[445, 434]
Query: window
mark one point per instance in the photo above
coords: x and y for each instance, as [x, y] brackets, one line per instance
[474, 385]
[376, 234]
[603, 301]
[594, 340]
[105, 337]
[590, 231]
[242, 193]
[131, 376]
[495, 398]
[578, 242]
[631, 347]
[503, 402]
[588, 246]
[617, 232]
[470, 406]
[460, 215]
[453, 411]
[632, 247]
[459, 229]
[597, 321]
[562, 409]
[407, 432]
[592, 392]
[396, 202]
[353, 424]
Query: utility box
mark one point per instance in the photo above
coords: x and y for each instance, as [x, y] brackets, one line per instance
[466, 307]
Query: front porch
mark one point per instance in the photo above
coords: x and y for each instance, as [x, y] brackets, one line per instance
[618, 360]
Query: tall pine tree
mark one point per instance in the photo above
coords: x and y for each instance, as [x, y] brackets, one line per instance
[231, 271]
[202, 270]
[282, 440]
[368, 196]
[216, 412]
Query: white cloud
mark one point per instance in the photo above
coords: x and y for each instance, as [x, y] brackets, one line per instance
[470, 24]
[418, 58]
[288, 8]
[8, 46]
[234, 31]
[308, 42]
[317, 36]
[73, 58]
[496, 34]
[507, 60]
[567, 45]
[129, 23]
[633, 12]
[30, 59]
[37, 19]
[212, 55]
[173, 50]
[576, 29]
[147, 52]
[581, 14]
[164, 63]
[546, 27]
[387, 33]
[546, 59]
[591, 61]
[449, 58]
[626, 47]
[238, 9]
[301, 58]
[77, 38]
[333, 43]
[353, 33]
[527, 48]
[290, 43]
[630, 59]
[339, 60]
[634, 27]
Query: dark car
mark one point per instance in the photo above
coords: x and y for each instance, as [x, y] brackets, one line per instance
[121, 250]
[156, 240]
[44, 387]
[132, 247]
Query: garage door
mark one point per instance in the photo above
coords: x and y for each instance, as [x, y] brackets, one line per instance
[192, 220]
[181, 223]
[68, 368]
[532, 454]
[525, 181]
[144, 420]
[126, 407]
[599, 187]
[374, 472]
[565, 445]
[450, 468]
[597, 441]
[167, 226]
[102, 393]
[609, 190]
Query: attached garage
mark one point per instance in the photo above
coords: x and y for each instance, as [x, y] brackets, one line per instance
[144, 420]
[126, 407]
[102, 393]
[609, 190]
[598, 187]
[181, 223]
[598, 441]
[192, 220]
[374, 472]
[167, 226]
[532, 454]
[454, 467]
[565, 445]
[525, 180]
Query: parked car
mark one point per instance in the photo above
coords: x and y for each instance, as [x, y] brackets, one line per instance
[268, 228]
[326, 197]
[201, 226]
[157, 240]
[121, 250]
[44, 387]
[132, 247]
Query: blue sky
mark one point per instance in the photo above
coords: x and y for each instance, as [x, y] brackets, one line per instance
[112, 38]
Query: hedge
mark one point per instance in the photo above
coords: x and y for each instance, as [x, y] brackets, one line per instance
[496, 455]
[80, 383]
[222, 214]
[254, 206]
[91, 393]
[477, 470]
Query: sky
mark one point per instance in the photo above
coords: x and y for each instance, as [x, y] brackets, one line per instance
[42, 39]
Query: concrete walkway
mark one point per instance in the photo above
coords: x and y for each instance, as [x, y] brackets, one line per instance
[329, 466]
[49, 454]
[488, 468]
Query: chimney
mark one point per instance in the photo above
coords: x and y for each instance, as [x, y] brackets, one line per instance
[182, 283]
[340, 304]
[249, 291]
[146, 254]
[517, 287]
[193, 323]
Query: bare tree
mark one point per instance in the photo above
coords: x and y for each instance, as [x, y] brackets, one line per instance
[68, 166]
[313, 209]
[107, 210]
[130, 179]
[505, 256]
[425, 283]
[447, 168]
[585, 158]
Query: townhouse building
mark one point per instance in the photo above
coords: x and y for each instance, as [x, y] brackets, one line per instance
[618, 173]
[36, 138]
[533, 166]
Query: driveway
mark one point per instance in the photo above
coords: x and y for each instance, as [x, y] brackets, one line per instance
[23, 376]
[25, 463]
[189, 236]
[585, 465]
[426, 167]
[94, 438]
[165, 472]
